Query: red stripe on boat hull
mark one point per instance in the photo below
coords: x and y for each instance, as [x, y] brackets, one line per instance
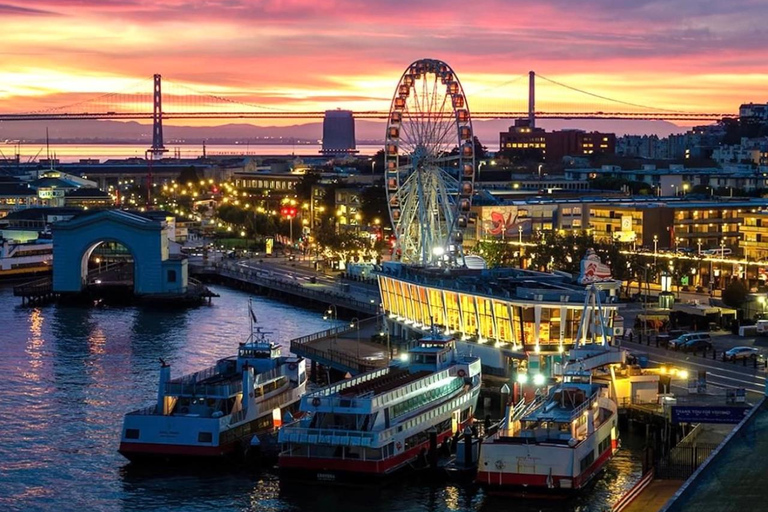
[302, 467]
[496, 480]
[133, 451]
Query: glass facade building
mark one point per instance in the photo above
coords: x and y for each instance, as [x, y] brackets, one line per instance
[515, 311]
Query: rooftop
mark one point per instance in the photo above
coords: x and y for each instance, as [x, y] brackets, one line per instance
[498, 283]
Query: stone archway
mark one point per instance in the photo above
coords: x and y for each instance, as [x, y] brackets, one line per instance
[155, 271]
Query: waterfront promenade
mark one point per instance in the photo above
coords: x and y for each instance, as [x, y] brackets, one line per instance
[309, 286]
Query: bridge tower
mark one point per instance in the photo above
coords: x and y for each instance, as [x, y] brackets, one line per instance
[157, 148]
[532, 99]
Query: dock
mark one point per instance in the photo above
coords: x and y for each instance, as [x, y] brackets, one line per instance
[346, 349]
[278, 285]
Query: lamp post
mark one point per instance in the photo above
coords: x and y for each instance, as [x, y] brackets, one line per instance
[722, 266]
[655, 247]
[699, 244]
[355, 322]
[332, 314]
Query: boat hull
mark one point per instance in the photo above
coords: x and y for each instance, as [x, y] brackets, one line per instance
[357, 471]
[497, 472]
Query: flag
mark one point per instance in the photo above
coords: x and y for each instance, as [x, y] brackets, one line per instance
[250, 310]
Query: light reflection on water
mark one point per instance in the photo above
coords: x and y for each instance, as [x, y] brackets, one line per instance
[69, 375]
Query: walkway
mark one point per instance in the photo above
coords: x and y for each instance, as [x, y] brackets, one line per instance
[653, 497]
[290, 282]
[345, 348]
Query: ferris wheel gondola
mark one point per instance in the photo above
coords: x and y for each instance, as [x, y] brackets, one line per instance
[430, 164]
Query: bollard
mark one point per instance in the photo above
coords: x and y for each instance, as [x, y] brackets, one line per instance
[755, 361]
[468, 459]
[433, 449]
[723, 355]
[744, 359]
[714, 354]
[657, 342]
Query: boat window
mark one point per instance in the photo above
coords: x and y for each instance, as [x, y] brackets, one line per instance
[131, 433]
[204, 437]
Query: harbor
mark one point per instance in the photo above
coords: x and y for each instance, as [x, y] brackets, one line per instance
[121, 348]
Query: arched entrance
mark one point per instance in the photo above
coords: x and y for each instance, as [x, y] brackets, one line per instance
[154, 270]
[108, 263]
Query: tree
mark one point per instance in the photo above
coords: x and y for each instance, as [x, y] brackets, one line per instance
[373, 204]
[304, 186]
[735, 294]
[189, 175]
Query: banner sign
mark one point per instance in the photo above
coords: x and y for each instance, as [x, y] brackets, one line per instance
[712, 414]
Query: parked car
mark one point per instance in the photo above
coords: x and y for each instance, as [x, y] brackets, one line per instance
[686, 338]
[741, 353]
[698, 344]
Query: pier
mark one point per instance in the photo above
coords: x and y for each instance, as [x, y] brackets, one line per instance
[269, 281]
[346, 348]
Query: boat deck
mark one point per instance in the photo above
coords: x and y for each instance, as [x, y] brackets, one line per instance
[393, 379]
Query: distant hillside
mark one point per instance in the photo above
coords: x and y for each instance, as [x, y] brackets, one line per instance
[366, 131]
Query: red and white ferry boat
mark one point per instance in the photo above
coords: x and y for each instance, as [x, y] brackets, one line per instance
[560, 440]
[217, 411]
[379, 422]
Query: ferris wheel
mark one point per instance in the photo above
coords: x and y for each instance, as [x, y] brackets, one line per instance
[430, 164]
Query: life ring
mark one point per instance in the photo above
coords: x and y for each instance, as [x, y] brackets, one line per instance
[399, 445]
[292, 366]
[461, 373]
[316, 402]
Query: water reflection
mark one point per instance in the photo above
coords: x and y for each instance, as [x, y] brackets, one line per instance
[71, 374]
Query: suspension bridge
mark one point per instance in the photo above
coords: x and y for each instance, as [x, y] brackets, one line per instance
[156, 102]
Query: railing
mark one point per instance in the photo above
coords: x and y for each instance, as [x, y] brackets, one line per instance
[339, 299]
[34, 288]
[327, 436]
[682, 461]
[633, 493]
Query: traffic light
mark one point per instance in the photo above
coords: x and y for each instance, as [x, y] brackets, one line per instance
[288, 211]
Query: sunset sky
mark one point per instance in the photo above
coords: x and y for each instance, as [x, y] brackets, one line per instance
[690, 55]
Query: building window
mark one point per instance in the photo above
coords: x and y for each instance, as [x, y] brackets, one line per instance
[171, 276]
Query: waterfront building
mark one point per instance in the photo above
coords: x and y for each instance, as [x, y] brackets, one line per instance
[527, 141]
[678, 179]
[501, 314]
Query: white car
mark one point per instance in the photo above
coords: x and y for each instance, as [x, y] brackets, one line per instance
[741, 353]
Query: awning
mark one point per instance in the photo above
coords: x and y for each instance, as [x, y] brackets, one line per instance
[702, 310]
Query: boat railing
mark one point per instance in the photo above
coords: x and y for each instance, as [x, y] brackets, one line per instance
[327, 436]
[150, 410]
[528, 409]
[347, 383]
[237, 417]
[262, 378]
[211, 390]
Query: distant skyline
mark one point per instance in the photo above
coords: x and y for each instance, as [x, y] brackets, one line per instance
[688, 55]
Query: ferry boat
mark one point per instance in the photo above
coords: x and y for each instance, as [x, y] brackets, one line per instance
[219, 411]
[558, 441]
[23, 259]
[380, 422]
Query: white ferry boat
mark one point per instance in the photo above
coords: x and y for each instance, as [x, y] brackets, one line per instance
[23, 259]
[218, 411]
[560, 440]
[379, 422]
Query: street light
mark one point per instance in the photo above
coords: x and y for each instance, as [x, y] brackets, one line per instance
[332, 314]
[699, 244]
[355, 322]
[655, 247]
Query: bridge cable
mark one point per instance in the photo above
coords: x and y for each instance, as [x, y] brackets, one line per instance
[606, 97]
